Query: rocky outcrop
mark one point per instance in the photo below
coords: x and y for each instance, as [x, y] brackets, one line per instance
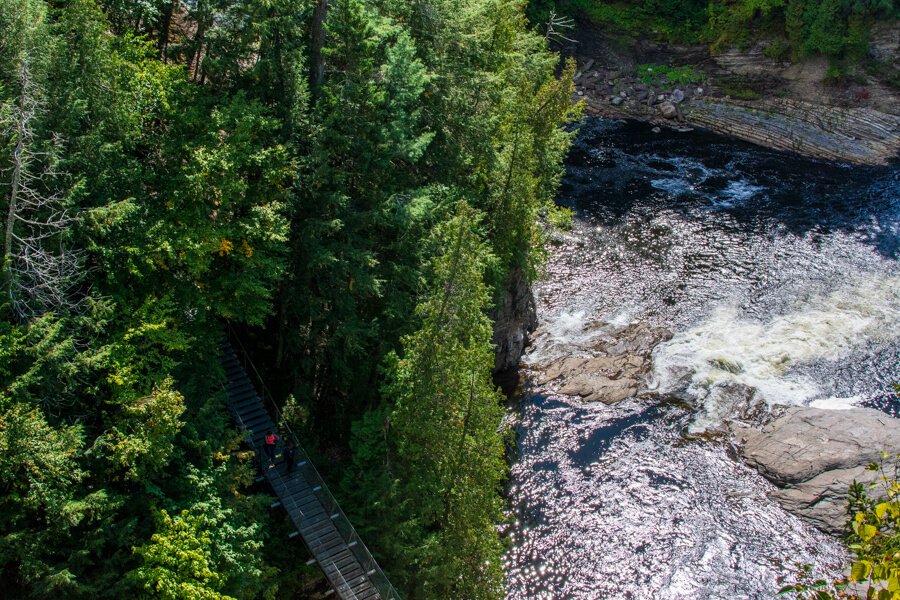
[814, 455]
[514, 319]
[857, 135]
[616, 367]
[747, 94]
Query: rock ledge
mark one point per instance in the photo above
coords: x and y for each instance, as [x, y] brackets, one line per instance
[814, 455]
[615, 367]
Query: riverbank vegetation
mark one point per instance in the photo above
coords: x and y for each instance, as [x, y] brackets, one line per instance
[872, 536]
[347, 187]
[793, 29]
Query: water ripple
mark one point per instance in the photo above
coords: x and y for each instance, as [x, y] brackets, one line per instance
[774, 272]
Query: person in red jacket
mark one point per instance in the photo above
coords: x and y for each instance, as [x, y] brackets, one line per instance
[269, 445]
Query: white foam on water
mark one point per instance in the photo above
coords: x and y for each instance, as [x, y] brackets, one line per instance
[736, 193]
[741, 190]
[728, 348]
[673, 187]
[569, 332]
[834, 403]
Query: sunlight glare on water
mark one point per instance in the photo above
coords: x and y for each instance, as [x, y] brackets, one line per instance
[773, 272]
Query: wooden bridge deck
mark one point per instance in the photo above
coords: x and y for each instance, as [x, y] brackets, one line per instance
[324, 528]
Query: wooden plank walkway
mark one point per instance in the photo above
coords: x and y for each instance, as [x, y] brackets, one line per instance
[325, 530]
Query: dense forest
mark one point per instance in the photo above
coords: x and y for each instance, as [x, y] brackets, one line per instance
[346, 186]
[794, 29]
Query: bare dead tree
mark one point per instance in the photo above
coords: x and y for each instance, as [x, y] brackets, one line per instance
[42, 267]
[555, 24]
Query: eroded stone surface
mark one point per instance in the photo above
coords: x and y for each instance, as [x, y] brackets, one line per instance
[814, 455]
[616, 368]
[514, 320]
[806, 442]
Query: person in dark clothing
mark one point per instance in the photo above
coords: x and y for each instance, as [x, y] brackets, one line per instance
[289, 457]
[269, 445]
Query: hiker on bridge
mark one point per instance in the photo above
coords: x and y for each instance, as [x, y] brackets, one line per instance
[288, 453]
[269, 445]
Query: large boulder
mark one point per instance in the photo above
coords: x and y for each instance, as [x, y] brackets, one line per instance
[667, 110]
[814, 455]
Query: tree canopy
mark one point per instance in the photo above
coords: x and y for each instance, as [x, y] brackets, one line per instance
[347, 186]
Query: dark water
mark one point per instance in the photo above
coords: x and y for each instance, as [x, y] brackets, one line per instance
[782, 269]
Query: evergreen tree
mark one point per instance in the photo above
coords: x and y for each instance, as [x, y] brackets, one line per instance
[440, 436]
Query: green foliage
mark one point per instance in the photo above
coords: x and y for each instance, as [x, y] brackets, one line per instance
[874, 539]
[38, 462]
[178, 562]
[686, 75]
[444, 426]
[797, 28]
[835, 74]
[674, 20]
[778, 50]
[876, 529]
[39, 475]
[208, 551]
[560, 217]
[217, 177]
[736, 89]
[826, 32]
[858, 28]
[140, 442]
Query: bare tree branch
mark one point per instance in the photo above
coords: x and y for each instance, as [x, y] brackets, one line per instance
[554, 24]
[42, 270]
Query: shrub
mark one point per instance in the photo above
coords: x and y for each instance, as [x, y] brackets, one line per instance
[684, 75]
[779, 50]
[873, 537]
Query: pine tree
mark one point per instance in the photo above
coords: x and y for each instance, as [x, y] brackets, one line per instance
[446, 426]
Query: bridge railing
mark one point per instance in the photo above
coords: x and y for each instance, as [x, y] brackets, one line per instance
[320, 489]
[315, 545]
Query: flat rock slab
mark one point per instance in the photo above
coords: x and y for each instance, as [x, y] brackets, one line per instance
[805, 442]
[822, 500]
[815, 454]
[615, 369]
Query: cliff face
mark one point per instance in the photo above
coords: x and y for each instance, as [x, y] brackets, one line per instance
[781, 105]
[514, 319]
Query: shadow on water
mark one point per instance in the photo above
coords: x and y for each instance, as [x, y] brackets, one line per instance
[758, 188]
[782, 266]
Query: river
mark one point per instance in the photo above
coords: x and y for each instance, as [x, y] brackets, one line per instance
[772, 271]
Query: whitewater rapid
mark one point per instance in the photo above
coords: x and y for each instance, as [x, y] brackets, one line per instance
[779, 278]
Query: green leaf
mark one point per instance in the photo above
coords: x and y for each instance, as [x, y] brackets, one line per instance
[786, 590]
[867, 532]
[860, 571]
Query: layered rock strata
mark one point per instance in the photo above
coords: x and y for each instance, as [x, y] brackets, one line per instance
[778, 104]
[514, 320]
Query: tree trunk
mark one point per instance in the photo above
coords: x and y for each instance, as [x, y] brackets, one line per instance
[198, 51]
[163, 42]
[18, 159]
[317, 72]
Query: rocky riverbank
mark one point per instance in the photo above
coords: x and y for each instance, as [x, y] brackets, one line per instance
[746, 94]
[814, 455]
[610, 366]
